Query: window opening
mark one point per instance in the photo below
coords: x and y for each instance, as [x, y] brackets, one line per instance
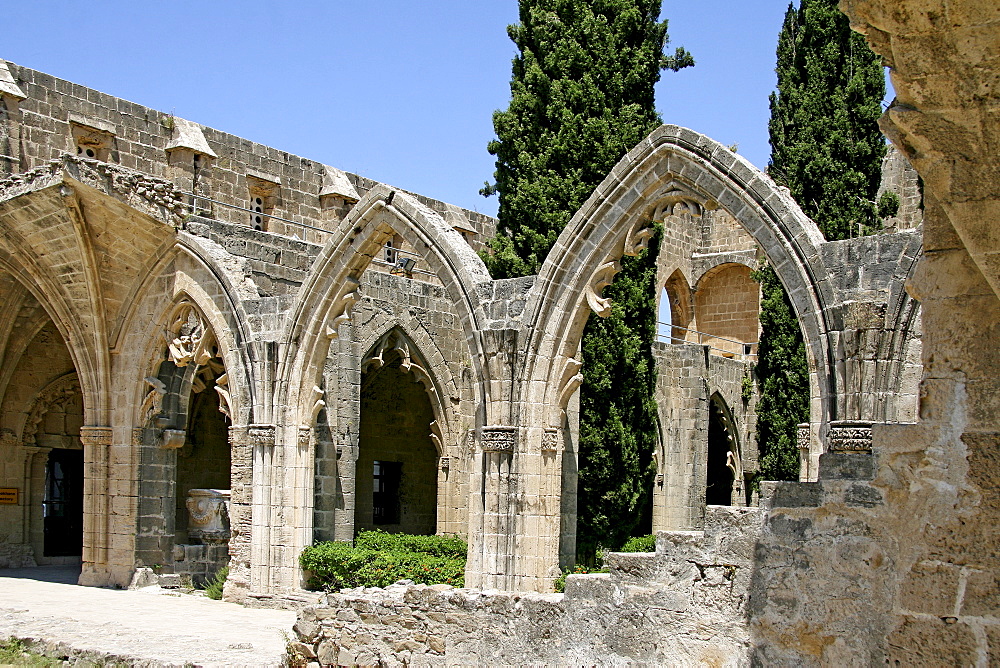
[385, 492]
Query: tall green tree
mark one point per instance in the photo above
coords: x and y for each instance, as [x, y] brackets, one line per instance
[581, 98]
[827, 149]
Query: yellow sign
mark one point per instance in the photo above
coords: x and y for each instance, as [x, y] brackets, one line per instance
[8, 496]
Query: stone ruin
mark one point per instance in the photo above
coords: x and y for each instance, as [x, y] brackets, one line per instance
[185, 310]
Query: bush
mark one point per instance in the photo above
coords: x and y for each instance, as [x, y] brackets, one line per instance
[213, 588]
[640, 544]
[379, 559]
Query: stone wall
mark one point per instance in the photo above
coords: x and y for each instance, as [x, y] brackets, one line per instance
[685, 604]
[687, 378]
[159, 144]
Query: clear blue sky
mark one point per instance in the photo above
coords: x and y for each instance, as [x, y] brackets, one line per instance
[401, 91]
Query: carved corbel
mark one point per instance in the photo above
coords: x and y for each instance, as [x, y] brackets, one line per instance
[318, 404]
[437, 437]
[601, 279]
[225, 399]
[638, 238]
[173, 439]
[153, 401]
[341, 311]
[570, 379]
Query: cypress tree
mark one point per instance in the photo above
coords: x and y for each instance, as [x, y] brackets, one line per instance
[581, 98]
[827, 149]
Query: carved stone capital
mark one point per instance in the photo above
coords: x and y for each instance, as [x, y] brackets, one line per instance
[305, 433]
[552, 440]
[498, 439]
[262, 434]
[803, 434]
[95, 435]
[849, 436]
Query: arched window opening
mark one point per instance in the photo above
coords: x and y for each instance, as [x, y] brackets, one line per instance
[723, 454]
[397, 461]
[727, 307]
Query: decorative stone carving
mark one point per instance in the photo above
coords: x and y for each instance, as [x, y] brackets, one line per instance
[638, 238]
[187, 342]
[55, 394]
[436, 436]
[601, 279]
[318, 403]
[305, 434]
[499, 439]
[850, 436]
[153, 401]
[208, 515]
[225, 398]
[570, 380]
[341, 311]
[552, 440]
[100, 436]
[262, 434]
[394, 342]
[445, 464]
[803, 435]
[173, 438]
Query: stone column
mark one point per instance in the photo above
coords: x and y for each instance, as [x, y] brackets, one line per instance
[492, 546]
[261, 438]
[96, 506]
[240, 513]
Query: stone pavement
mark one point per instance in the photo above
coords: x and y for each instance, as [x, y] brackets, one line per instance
[148, 627]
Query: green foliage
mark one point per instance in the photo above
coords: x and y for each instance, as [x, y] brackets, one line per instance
[827, 149]
[560, 583]
[783, 375]
[581, 97]
[826, 146]
[379, 559]
[888, 204]
[618, 416]
[213, 588]
[14, 653]
[645, 543]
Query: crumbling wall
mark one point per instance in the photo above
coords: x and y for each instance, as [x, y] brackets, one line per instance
[685, 604]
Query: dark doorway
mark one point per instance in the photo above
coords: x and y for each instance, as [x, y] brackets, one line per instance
[719, 491]
[63, 503]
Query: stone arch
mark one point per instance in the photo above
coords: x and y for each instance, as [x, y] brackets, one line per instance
[679, 164]
[76, 329]
[678, 291]
[402, 440]
[185, 275]
[331, 290]
[724, 469]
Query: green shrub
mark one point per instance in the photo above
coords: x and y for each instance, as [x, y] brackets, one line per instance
[213, 588]
[560, 583]
[379, 559]
[640, 544]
